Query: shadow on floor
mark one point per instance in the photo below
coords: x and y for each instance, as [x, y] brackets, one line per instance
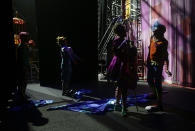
[21, 113]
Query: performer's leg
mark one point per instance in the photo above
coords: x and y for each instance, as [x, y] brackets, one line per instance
[118, 95]
[124, 101]
[66, 77]
[117, 106]
[158, 85]
[65, 87]
[158, 91]
[150, 80]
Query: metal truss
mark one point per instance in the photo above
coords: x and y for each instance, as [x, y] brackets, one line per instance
[114, 14]
[140, 51]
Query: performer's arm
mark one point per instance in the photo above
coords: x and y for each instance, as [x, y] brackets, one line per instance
[167, 62]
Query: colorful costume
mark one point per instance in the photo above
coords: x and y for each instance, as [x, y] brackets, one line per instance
[157, 56]
[123, 67]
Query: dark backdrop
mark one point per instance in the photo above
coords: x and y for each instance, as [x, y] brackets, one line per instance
[78, 21]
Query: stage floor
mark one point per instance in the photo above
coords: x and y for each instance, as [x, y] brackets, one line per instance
[179, 111]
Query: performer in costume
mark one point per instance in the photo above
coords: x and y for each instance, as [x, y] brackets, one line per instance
[123, 67]
[157, 58]
[67, 58]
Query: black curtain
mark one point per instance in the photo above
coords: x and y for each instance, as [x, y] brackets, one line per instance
[8, 61]
[78, 21]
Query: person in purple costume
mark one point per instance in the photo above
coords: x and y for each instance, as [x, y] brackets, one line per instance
[67, 58]
[123, 67]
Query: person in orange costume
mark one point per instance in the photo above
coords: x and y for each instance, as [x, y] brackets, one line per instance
[157, 58]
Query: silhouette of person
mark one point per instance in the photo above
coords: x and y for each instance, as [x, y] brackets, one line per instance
[67, 58]
[157, 58]
[23, 64]
[123, 67]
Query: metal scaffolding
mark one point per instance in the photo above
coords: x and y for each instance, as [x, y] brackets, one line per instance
[115, 14]
[140, 52]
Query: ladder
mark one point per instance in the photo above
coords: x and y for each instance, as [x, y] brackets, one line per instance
[140, 51]
[133, 22]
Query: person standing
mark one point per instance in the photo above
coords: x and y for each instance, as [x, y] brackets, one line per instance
[123, 67]
[67, 58]
[23, 64]
[157, 58]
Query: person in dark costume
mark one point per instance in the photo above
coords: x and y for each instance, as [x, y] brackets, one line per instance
[123, 67]
[23, 64]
